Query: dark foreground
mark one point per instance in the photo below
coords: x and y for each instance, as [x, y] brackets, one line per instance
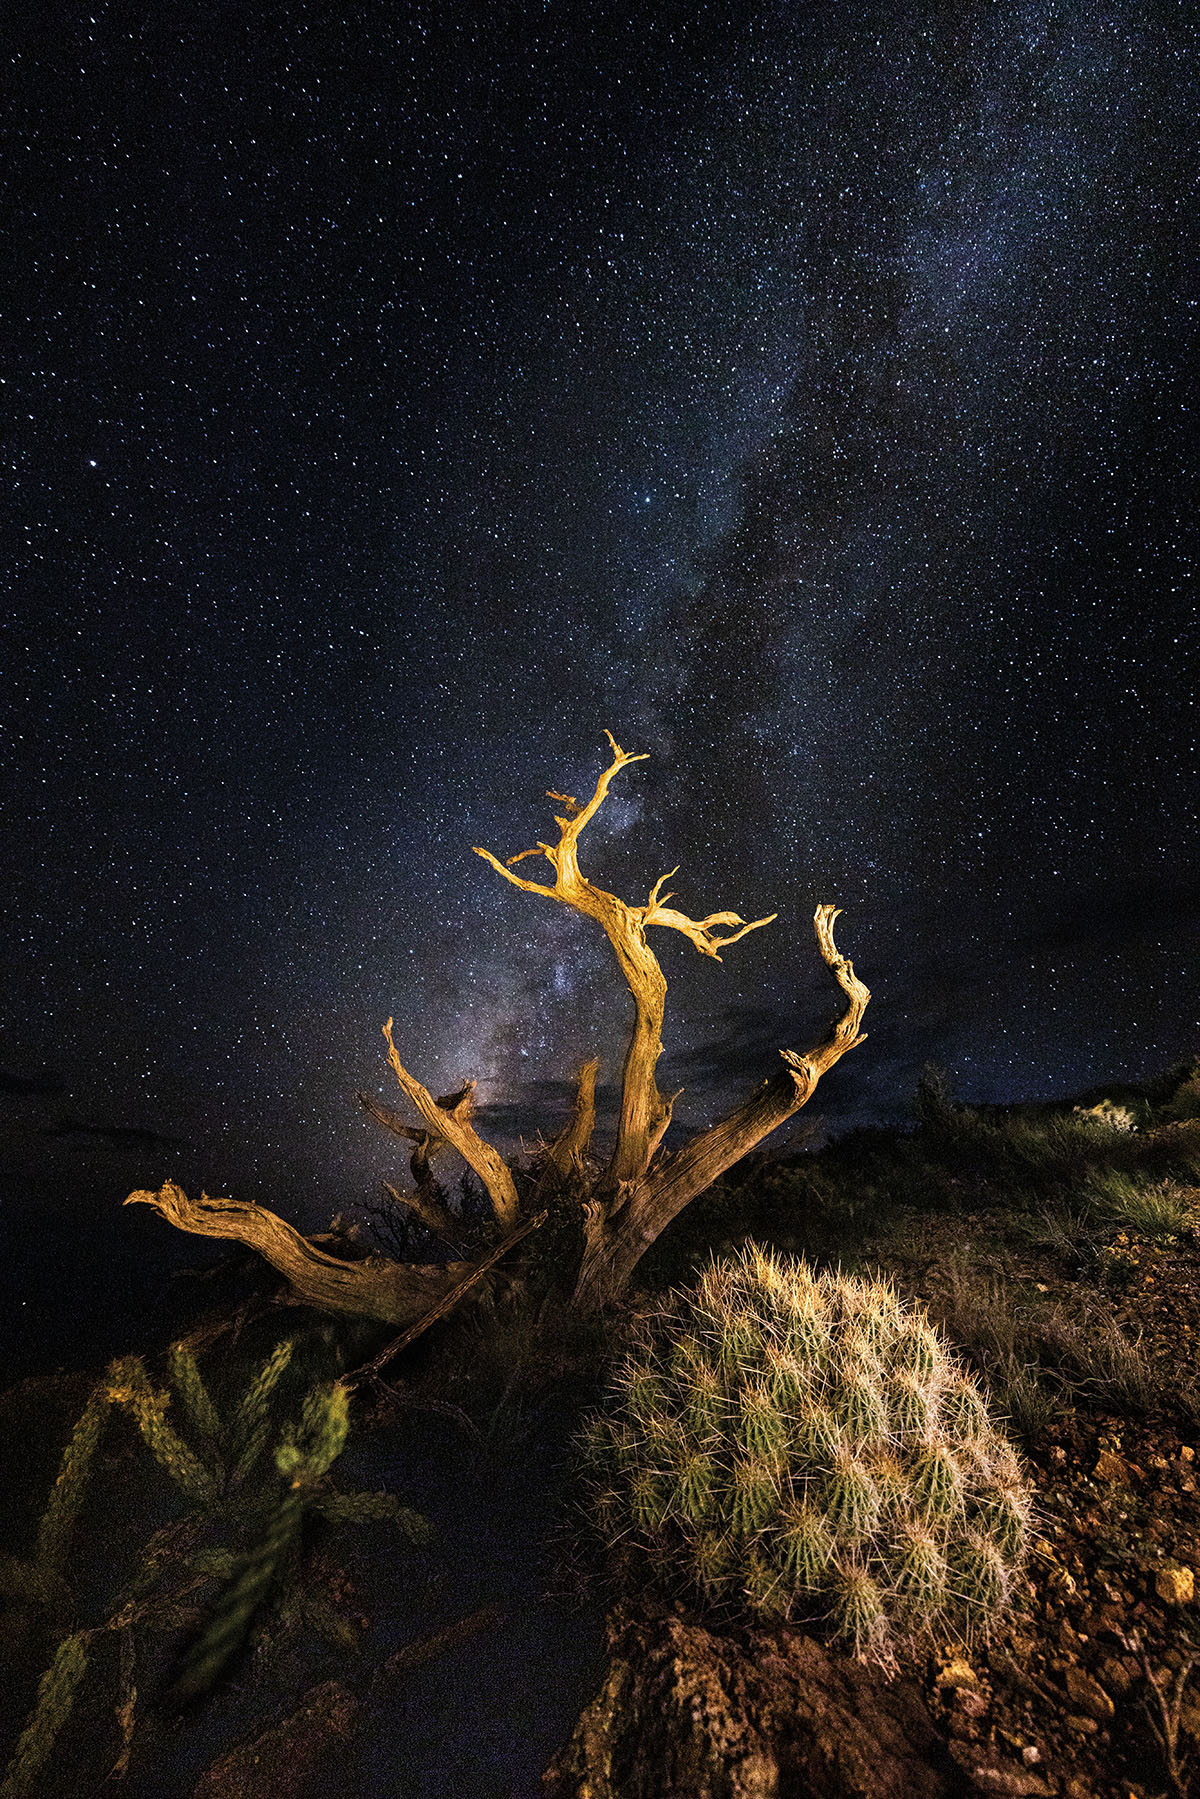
[1062, 1258]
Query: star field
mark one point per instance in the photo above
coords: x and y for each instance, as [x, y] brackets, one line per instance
[398, 396]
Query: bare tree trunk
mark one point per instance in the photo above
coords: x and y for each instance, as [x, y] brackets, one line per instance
[618, 1233]
[643, 1187]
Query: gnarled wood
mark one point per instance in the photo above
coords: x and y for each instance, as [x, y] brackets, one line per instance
[617, 1233]
[429, 1213]
[645, 1114]
[424, 1203]
[643, 1187]
[451, 1118]
[375, 1287]
[566, 1156]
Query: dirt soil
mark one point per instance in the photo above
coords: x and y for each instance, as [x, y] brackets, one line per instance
[1094, 1687]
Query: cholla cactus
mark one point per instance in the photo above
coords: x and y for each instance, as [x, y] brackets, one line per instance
[55, 1703]
[803, 1445]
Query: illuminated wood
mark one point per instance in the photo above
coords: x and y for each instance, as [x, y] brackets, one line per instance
[622, 1209]
[644, 1188]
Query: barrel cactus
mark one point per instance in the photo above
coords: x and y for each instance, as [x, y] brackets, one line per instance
[799, 1445]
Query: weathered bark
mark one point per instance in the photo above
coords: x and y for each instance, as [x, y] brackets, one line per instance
[643, 1187]
[451, 1118]
[375, 1287]
[475, 1273]
[645, 1114]
[567, 1155]
[687, 1714]
[427, 1212]
[619, 1230]
[644, 1190]
[424, 1202]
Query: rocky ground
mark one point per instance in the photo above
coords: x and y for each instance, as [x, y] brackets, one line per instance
[1084, 1332]
[1092, 1688]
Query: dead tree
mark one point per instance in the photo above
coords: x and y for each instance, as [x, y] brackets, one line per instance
[643, 1186]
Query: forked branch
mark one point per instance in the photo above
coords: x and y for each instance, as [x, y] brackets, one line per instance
[645, 1114]
[618, 1235]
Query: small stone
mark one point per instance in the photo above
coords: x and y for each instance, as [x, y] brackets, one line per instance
[1084, 1727]
[1177, 1586]
[1116, 1680]
[970, 1701]
[1031, 1755]
[956, 1673]
[1089, 1695]
[1010, 1781]
[1186, 1453]
[1111, 1467]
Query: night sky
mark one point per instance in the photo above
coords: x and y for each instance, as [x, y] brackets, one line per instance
[398, 395]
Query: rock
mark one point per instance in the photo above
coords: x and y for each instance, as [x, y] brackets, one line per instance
[1010, 1781]
[1111, 1467]
[1089, 1695]
[971, 1702]
[685, 1713]
[1177, 1586]
[1084, 1727]
[1116, 1677]
[956, 1673]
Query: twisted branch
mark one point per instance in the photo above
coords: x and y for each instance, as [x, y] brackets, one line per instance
[451, 1118]
[645, 1114]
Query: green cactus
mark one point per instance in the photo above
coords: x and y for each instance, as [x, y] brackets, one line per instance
[799, 1444]
[255, 1579]
[189, 1385]
[129, 1385]
[55, 1702]
[70, 1488]
[214, 1477]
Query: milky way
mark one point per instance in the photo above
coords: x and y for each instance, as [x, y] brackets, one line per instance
[400, 396]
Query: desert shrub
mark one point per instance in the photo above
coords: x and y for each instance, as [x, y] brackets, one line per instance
[1154, 1209]
[1036, 1357]
[1108, 1115]
[933, 1102]
[1094, 1358]
[1175, 1094]
[791, 1444]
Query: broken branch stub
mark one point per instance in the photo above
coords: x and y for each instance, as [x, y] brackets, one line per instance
[451, 1119]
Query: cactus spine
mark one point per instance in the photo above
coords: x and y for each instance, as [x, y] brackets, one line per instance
[787, 1443]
